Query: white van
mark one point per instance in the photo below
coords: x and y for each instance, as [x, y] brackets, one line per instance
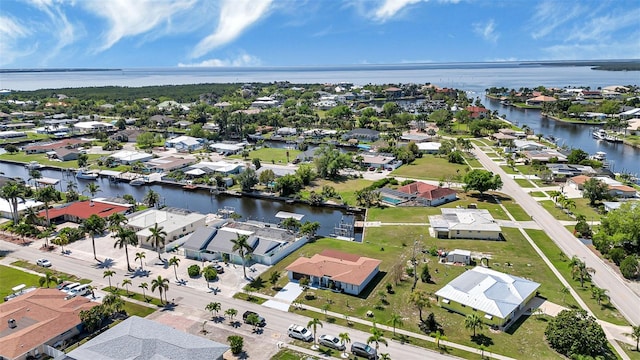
[70, 287]
[81, 290]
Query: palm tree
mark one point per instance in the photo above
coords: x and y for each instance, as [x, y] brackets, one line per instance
[30, 216]
[13, 192]
[314, 324]
[108, 274]
[157, 237]
[92, 189]
[126, 283]
[420, 300]
[144, 286]
[47, 279]
[580, 270]
[473, 322]
[385, 356]
[554, 194]
[438, 335]
[395, 320]
[140, 256]
[151, 198]
[162, 285]
[113, 302]
[345, 339]
[116, 221]
[61, 240]
[175, 262]
[46, 195]
[94, 225]
[635, 335]
[599, 294]
[124, 238]
[377, 337]
[213, 307]
[243, 248]
[231, 312]
[23, 229]
[564, 291]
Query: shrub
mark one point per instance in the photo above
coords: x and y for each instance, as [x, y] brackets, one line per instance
[617, 255]
[193, 270]
[629, 267]
[236, 343]
[209, 273]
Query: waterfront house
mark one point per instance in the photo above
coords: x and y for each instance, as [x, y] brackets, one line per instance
[527, 145]
[393, 92]
[34, 320]
[127, 157]
[269, 244]
[127, 135]
[565, 171]
[23, 204]
[429, 147]
[42, 148]
[10, 134]
[175, 222]
[497, 298]
[278, 170]
[185, 143]
[227, 149]
[378, 161]
[362, 134]
[540, 100]
[286, 131]
[93, 126]
[138, 338]
[65, 154]
[168, 163]
[477, 112]
[425, 194]
[336, 270]
[464, 224]
[79, 211]
[223, 167]
[544, 156]
[616, 188]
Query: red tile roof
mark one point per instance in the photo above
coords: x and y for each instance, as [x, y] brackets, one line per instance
[57, 145]
[40, 315]
[84, 209]
[339, 266]
[580, 179]
[425, 190]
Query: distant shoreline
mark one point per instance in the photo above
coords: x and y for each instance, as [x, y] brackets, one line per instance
[9, 71]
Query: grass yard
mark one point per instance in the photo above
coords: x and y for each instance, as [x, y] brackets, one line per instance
[133, 295]
[525, 169]
[430, 167]
[558, 213]
[272, 155]
[10, 277]
[509, 170]
[583, 207]
[630, 350]
[473, 162]
[134, 309]
[288, 354]
[402, 214]
[516, 211]
[345, 187]
[60, 275]
[42, 159]
[524, 183]
[537, 194]
[605, 311]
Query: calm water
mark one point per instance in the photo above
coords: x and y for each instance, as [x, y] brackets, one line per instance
[200, 201]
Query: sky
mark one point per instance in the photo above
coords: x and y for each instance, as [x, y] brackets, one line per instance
[230, 33]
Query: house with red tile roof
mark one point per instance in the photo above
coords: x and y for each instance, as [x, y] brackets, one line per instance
[429, 195]
[66, 143]
[477, 112]
[349, 273]
[82, 210]
[41, 317]
[539, 100]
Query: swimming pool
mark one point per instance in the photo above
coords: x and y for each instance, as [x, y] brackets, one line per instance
[393, 201]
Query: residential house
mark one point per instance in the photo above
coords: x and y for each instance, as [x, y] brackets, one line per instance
[168, 163]
[545, 156]
[278, 170]
[591, 94]
[10, 134]
[393, 92]
[497, 298]
[527, 145]
[170, 105]
[227, 149]
[333, 269]
[222, 105]
[269, 244]
[93, 126]
[81, 210]
[161, 120]
[378, 161]
[477, 112]
[264, 102]
[175, 222]
[126, 135]
[39, 318]
[221, 167]
[540, 100]
[458, 256]
[464, 224]
[46, 147]
[127, 157]
[503, 139]
[286, 131]
[423, 194]
[138, 338]
[362, 134]
[565, 171]
[429, 147]
[65, 154]
[616, 188]
[6, 210]
[185, 143]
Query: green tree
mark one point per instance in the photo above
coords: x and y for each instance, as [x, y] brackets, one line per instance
[116, 221]
[576, 156]
[94, 225]
[291, 223]
[267, 176]
[61, 240]
[145, 140]
[344, 339]
[595, 190]
[175, 262]
[314, 325]
[329, 161]
[144, 286]
[140, 256]
[273, 278]
[162, 285]
[377, 337]
[125, 237]
[481, 180]
[635, 335]
[213, 307]
[310, 229]
[231, 313]
[473, 322]
[288, 184]
[92, 189]
[126, 283]
[439, 336]
[425, 276]
[236, 342]
[108, 274]
[157, 237]
[242, 247]
[599, 294]
[47, 279]
[256, 163]
[47, 195]
[629, 267]
[580, 270]
[83, 160]
[151, 198]
[575, 333]
[209, 274]
[395, 320]
[248, 179]
[15, 192]
[420, 300]
[305, 173]
[92, 319]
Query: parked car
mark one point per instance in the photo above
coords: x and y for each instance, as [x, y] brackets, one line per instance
[69, 287]
[261, 320]
[81, 290]
[332, 342]
[364, 350]
[300, 332]
[219, 268]
[43, 262]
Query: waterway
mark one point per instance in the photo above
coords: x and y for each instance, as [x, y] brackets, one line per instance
[200, 200]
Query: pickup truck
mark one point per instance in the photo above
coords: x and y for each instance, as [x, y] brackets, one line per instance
[261, 320]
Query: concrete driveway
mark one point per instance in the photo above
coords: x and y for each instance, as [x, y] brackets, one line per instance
[285, 297]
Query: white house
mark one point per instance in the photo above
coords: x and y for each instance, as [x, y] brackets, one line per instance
[226, 149]
[185, 143]
[129, 156]
[459, 256]
[92, 126]
[175, 222]
[457, 223]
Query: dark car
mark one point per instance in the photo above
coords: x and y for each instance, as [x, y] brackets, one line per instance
[364, 350]
[245, 317]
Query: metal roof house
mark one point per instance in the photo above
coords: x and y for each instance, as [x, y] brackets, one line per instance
[138, 338]
[175, 222]
[497, 298]
[464, 224]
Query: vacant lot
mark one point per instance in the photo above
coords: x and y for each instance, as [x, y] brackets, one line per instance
[272, 155]
[10, 277]
[431, 167]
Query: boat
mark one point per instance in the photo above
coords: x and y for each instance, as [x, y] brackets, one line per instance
[599, 134]
[85, 175]
[190, 187]
[600, 156]
[33, 165]
[137, 182]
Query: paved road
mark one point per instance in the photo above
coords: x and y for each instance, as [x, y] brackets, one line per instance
[627, 302]
[192, 300]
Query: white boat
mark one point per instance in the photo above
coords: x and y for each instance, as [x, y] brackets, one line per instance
[137, 182]
[85, 175]
[599, 134]
[33, 165]
[600, 156]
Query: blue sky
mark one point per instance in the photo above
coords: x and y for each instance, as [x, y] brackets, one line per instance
[159, 33]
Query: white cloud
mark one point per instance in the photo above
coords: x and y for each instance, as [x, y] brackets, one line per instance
[234, 18]
[601, 28]
[390, 8]
[550, 15]
[241, 60]
[11, 33]
[60, 27]
[486, 31]
[624, 49]
[129, 18]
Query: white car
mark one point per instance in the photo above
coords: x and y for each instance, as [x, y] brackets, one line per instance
[332, 342]
[300, 332]
[43, 262]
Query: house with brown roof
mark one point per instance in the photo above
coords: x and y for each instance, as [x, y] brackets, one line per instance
[65, 154]
[539, 100]
[429, 195]
[43, 148]
[349, 273]
[477, 112]
[82, 210]
[38, 318]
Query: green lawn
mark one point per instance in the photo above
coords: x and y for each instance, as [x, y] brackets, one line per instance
[402, 214]
[430, 167]
[630, 350]
[524, 183]
[516, 211]
[346, 188]
[508, 169]
[134, 309]
[272, 155]
[583, 207]
[136, 296]
[288, 354]
[558, 213]
[605, 311]
[10, 277]
[473, 162]
[525, 169]
[537, 194]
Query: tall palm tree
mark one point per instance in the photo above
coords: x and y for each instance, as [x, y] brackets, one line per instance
[94, 225]
[15, 192]
[151, 198]
[345, 339]
[140, 256]
[213, 307]
[92, 189]
[113, 302]
[554, 194]
[314, 325]
[30, 216]
[420, 300]
[599, 294]
[23, 229]
[377, 337]
[157, 237]
[438, 335]
[144, 286]
[108, 274]
[580, 270]
[162, 284]
[125, 237]
[473, 321]
[231, 313]
[116, 221]
[126, 283]
[395, 320]
[564, 291]
[47, 279]
[175, 262]
[243, 248]
[61, 240]
[47, 195]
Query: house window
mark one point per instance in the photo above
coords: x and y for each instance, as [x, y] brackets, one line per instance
[457, 232]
